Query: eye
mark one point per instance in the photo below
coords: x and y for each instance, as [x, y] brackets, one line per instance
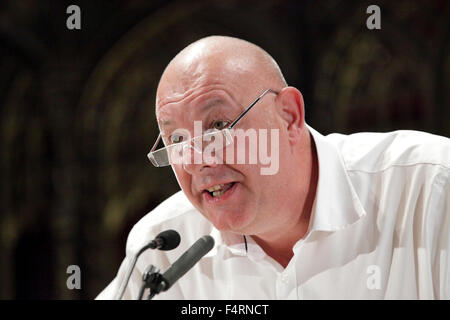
[220, 124]
[177, 138]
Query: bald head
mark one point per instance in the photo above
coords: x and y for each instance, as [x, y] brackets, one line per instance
[218, 61]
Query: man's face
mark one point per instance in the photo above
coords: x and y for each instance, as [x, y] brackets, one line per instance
[248, 202]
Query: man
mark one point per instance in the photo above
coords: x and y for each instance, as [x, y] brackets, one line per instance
[364, 216]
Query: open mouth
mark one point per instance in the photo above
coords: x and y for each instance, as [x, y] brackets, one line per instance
[220, 189]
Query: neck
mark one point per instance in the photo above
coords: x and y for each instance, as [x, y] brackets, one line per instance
[279, 245]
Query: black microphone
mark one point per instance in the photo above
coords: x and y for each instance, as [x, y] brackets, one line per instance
[184, 263]
[166, 240]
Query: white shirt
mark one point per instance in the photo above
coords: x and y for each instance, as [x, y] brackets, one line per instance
[379, 229]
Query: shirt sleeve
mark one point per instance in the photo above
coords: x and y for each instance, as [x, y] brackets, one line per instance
[442, 253]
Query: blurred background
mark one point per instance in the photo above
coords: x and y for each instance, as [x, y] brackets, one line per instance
[77, 109]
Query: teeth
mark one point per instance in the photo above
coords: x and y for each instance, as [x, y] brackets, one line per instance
[215, 188]
[218, 191]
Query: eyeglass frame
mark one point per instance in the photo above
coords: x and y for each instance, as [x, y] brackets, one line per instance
[233, 123]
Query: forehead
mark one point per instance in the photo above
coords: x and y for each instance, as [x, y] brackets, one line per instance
[189, 76]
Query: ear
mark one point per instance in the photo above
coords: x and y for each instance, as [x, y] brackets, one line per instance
[291, 110]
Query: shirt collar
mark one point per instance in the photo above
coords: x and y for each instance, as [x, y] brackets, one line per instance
[236, 244]
[336, 205]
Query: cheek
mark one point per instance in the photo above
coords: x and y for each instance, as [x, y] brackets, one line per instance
[183, 178]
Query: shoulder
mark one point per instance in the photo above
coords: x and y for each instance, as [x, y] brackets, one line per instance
[175, 213]
[374, 152]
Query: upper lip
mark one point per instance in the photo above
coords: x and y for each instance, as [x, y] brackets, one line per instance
[205, 187]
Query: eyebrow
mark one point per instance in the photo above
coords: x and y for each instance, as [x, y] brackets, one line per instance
[211, 103]
[164, 123]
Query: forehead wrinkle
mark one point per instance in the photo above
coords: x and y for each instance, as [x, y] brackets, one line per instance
[203, 89]
[227, 95]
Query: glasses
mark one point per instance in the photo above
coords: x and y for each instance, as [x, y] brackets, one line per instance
[175, 153]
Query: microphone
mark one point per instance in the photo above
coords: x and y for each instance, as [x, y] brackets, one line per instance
[166, 240]
[184, 263]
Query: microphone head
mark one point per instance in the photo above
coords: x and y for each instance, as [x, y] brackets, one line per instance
[184, 263]
[169, 239]
[208, 242]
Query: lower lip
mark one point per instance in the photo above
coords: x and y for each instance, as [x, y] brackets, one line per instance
[217, 200]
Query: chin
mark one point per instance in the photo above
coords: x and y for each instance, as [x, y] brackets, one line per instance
[229, 221]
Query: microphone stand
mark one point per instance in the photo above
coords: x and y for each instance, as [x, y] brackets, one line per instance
[157, 282]
[166, 240]
[151, 279]
[130, 271]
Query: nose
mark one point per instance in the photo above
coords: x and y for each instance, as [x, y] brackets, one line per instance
[195, 159]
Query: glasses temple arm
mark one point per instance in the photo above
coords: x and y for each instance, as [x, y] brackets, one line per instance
[250, 106]
[156, 143]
